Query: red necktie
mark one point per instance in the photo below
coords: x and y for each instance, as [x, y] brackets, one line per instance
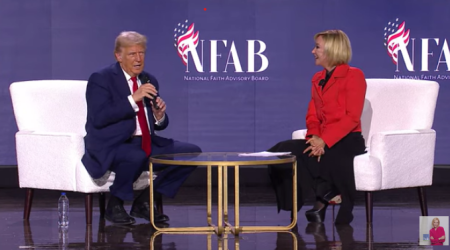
[146, 139]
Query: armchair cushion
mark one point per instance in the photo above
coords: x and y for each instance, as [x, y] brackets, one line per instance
[398, 159]
[47, 160]
[299, 134]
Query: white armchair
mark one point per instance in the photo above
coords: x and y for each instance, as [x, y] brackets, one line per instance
[397, 125]
[50, 116]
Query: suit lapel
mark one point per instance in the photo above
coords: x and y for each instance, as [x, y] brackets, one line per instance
[339, 72]
[120, 81]
[318, 89]
[316, 82]
[330, 83]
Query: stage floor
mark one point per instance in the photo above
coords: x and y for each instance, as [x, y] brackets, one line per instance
[396, 223]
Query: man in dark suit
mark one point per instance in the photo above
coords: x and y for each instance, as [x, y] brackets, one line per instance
[121, 124]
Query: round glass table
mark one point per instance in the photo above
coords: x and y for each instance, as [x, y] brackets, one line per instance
[223, 160]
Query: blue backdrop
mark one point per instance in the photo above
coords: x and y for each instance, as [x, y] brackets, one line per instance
[221, 101]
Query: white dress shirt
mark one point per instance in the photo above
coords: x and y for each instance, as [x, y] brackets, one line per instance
[138, 131]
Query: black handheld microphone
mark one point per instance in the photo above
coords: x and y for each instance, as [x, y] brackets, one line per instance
[144, 79]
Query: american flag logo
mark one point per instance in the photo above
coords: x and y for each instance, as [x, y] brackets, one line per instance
[395, 35]
[186, 39]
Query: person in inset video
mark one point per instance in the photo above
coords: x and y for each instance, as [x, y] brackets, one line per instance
[437, 233]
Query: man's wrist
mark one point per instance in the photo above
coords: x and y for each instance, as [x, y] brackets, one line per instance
[133, 103]
[158, 121]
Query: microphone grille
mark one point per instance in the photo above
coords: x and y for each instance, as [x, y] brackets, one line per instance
[143, 77]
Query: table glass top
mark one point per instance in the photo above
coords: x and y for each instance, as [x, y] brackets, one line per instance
[221, 156]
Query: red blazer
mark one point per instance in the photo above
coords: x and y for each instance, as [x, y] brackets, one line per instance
[335, 111]
[437, 233]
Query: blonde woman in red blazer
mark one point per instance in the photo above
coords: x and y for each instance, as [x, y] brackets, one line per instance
[437, 233]
[325, 158]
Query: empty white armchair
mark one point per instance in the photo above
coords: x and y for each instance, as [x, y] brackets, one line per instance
[50, 116]
[397, 125]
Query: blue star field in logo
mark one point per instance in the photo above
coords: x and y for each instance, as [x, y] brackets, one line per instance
[179, 30]
[390, 29]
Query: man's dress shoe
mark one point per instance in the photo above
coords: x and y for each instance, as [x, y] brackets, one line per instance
[117, 215]
[142, 210]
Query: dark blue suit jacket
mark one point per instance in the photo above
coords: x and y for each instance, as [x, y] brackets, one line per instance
[111, 120]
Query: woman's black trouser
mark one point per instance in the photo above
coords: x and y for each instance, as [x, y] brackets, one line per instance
[334, 171]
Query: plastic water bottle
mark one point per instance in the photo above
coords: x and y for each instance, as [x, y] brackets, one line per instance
[63, 237]
[63, 210]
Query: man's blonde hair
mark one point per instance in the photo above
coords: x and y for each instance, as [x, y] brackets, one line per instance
[337, 47]
[432, 222]
[129, 38]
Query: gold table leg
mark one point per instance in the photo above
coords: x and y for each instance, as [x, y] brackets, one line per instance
[236, 200]
[209, 242]
[183, 229]
[209, 196]
[234, 229]
[238, 229]
[220, 227]
[225, 195]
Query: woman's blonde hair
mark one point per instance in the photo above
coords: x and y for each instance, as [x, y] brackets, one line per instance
[337, 47]
[432, 222]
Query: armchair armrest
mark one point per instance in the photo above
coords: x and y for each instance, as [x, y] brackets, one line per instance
[48, 160]
[299, 134]
[406, 157]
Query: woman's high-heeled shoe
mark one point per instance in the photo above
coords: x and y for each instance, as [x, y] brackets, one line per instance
[317, 213]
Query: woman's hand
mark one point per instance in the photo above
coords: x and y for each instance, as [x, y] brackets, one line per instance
[431, 237]
[317, 146]
[317, 152]
[316, 141]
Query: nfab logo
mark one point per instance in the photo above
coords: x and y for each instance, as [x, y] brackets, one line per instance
[397, 39]
[223, 54]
